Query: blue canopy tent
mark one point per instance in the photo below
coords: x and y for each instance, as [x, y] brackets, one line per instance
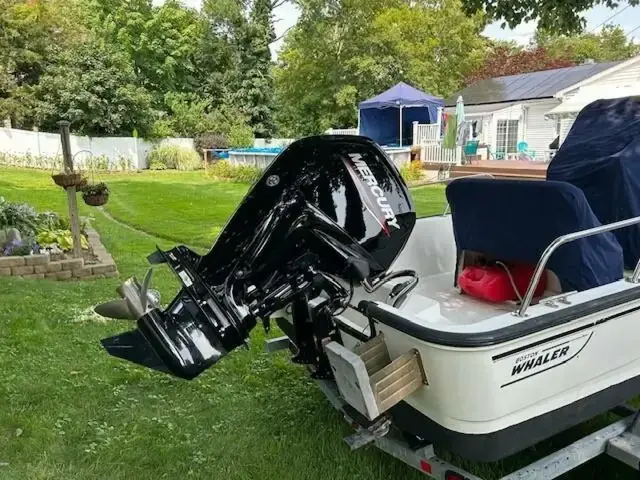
[387, 118]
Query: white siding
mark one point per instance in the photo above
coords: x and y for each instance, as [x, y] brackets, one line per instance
[565, 127]
[539, 133]
[570, 94]
[629, 75]
[489, 115]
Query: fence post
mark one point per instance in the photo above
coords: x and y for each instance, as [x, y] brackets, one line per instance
[71, 191]
[415, 133]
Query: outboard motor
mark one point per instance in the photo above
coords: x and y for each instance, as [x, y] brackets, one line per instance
[329, 213]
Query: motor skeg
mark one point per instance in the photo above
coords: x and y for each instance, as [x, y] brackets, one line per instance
[328, 206]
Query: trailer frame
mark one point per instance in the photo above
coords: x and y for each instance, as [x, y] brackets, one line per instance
[620, 440]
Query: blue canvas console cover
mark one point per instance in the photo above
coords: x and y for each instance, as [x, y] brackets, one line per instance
[601, 156]
[515, 220]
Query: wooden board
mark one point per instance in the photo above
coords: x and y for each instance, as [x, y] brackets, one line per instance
[352, 378]
[369, 381]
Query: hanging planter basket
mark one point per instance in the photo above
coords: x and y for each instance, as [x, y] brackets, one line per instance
[96, 194]
[96, 200]
[66, 180]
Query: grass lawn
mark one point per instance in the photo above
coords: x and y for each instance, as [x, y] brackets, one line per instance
[68, 411]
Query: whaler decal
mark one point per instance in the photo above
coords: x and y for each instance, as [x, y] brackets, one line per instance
[375, 200]
[538, 359]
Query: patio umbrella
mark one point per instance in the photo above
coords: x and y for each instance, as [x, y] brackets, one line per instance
[460, 119]
[460, 110]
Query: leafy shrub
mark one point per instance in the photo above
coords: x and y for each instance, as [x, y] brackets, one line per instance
[174, 157]
[208, 140]
[21, 216]
[98, 162]
[31, 161]
[95, 189]
[155, 164]
[20, 247]
[235, 173]
[124, 163]
[51, 221]
[162, 128]
[240, 135]
[411, 171]
[63, 239]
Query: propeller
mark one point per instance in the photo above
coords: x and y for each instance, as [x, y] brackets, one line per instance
[117, 309]
[135, 300]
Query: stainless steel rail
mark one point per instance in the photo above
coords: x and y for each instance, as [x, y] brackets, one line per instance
[449, 180]
[570, 237]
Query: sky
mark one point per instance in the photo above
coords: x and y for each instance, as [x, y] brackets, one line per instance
[629, 18]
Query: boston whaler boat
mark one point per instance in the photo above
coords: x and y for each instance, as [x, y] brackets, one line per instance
[482, 332]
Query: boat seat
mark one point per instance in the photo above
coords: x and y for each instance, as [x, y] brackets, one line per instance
[515, 220]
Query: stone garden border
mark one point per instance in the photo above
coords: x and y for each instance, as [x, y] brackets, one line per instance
[58, 267]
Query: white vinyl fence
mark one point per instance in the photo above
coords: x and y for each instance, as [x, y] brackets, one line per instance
[43, 150]
[435, 153]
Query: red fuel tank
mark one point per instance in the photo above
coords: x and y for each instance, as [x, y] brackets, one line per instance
[492, 282]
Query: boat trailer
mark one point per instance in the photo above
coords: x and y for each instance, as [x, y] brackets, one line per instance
[620, 440]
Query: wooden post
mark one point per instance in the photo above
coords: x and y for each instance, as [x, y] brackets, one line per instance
[71, 191]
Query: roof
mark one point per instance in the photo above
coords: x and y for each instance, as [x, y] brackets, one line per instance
[527, 86]
[402, 94]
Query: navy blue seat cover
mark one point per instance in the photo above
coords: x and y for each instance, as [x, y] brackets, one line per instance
[515, 220]
[601, 156]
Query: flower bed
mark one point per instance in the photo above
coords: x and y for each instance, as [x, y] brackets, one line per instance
[38, 245]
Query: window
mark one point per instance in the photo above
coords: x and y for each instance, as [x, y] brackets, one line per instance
[507, 139]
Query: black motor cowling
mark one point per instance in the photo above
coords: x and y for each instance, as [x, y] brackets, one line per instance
[327, 207]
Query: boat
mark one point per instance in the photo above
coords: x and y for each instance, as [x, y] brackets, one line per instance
[380, 305]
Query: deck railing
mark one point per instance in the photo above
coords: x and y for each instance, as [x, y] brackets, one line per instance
[426, 133]
[436, 153]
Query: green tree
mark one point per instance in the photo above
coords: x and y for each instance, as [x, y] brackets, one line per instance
[255, 96]
[95, 88]
[32, 34]
[560, 16]
[610, 44]
[163, 42]
[341, 53]
[247, 30]
[434, 47]
[316, 84]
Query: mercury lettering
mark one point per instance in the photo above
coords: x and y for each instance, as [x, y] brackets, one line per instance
[376, 191]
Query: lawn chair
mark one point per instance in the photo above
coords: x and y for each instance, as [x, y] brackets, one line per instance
[470, 150]
[524, 153]
[497, 155]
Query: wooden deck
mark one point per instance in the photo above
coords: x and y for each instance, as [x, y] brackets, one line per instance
[503, 169]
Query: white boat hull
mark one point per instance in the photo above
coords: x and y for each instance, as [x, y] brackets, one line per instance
[502, 383]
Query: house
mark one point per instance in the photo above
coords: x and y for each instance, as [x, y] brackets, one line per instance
[539, 107]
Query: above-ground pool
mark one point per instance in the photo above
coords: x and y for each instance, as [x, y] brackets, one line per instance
[263, 156]
[271, 150]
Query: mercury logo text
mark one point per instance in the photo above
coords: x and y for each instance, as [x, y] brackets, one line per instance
[377, 192]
